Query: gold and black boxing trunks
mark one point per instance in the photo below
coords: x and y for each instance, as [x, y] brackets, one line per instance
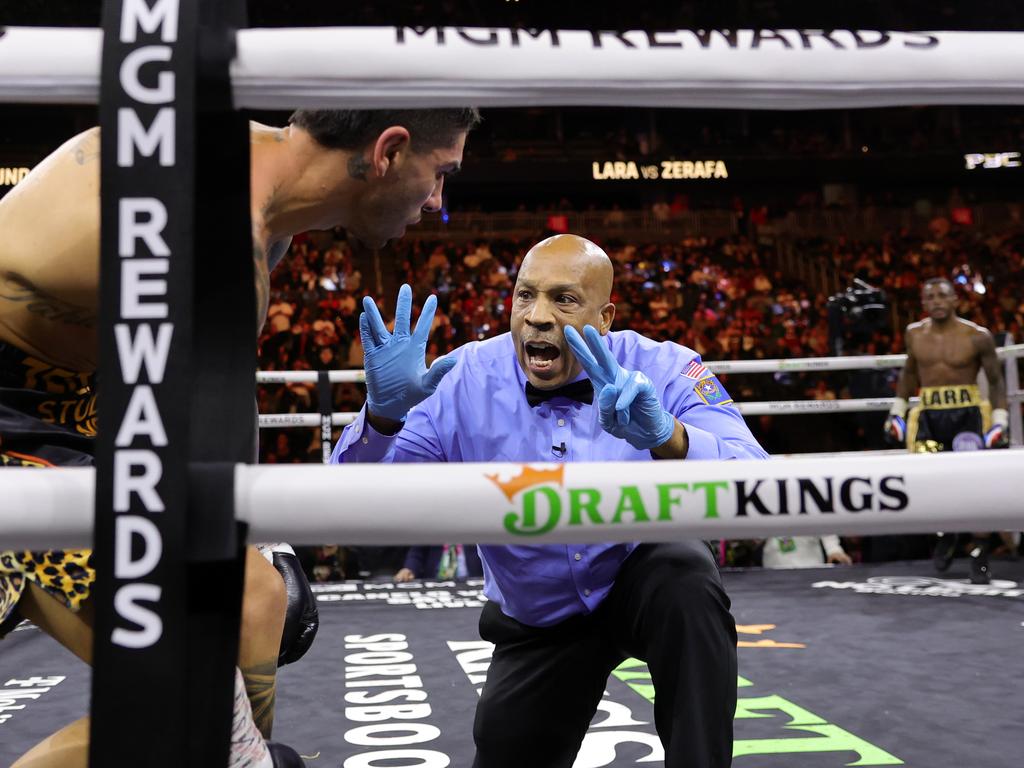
[47, 419]
[950, 418]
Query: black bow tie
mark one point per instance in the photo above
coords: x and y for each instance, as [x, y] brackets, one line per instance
[582, 391]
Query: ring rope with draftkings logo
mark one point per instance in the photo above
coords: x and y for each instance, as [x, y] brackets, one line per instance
[575, 502]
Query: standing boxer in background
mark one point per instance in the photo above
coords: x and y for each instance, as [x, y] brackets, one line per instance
[944, 355]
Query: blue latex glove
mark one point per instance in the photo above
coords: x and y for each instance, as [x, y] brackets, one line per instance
[627, 401]
[396, 373]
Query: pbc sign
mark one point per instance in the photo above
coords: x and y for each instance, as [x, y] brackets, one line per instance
[990, 160]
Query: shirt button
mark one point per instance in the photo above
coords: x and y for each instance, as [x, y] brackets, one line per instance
[586, 593]
[561, 422]
[578, 556]
[366, 441]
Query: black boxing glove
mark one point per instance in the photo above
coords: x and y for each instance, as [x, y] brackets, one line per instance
[284, 756]
[301, 618]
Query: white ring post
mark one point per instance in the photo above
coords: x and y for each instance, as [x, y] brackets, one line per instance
[1012, 381]
[47, 509]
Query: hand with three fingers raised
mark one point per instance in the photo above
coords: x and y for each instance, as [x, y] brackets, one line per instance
[627, 400]
[397, 377]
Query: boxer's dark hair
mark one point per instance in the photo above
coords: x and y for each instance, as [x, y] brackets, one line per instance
[938, 281]
[354, 129]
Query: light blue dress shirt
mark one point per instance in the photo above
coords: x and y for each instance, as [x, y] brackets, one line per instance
[479, 413]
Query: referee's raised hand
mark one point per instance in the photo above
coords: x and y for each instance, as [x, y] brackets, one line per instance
[397, 377]
[627, 400]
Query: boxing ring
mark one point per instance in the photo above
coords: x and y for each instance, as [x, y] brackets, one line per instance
[204, 490]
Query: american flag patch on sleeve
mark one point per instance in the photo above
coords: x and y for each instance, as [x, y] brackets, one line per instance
[695, 371]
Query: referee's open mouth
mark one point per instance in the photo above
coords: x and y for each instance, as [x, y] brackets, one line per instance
[543, 359]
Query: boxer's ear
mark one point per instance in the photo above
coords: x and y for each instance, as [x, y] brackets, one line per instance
[388, 149]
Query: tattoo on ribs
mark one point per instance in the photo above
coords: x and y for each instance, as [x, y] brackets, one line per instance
[17, 289]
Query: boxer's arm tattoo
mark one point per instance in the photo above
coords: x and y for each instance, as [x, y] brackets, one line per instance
[16, 289]
[986, 347]
[261, 274]
[261, 688]
[87, 148]
[357, 167]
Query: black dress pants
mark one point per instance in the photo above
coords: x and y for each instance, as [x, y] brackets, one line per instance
[668, 608]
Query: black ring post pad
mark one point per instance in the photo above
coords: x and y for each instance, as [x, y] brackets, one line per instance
[213, 533]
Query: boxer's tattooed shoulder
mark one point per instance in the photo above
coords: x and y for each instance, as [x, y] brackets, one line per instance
[16, 289]
[357, 167]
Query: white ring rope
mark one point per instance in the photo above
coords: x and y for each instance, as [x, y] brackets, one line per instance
[760, 408]
[309, 377]
[584, 502]
[788, 365]
[847, 363]
[284, 420]
[375, 67]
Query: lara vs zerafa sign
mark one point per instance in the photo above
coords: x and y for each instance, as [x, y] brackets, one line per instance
[661, 170]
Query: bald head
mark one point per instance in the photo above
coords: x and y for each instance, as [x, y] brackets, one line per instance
[584, 258]
[564, 280]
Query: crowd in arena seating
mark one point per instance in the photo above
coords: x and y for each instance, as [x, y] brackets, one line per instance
[726, 298]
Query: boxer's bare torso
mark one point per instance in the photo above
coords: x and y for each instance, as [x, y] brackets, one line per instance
[949, 355]
[945, 350]
[49, 251]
